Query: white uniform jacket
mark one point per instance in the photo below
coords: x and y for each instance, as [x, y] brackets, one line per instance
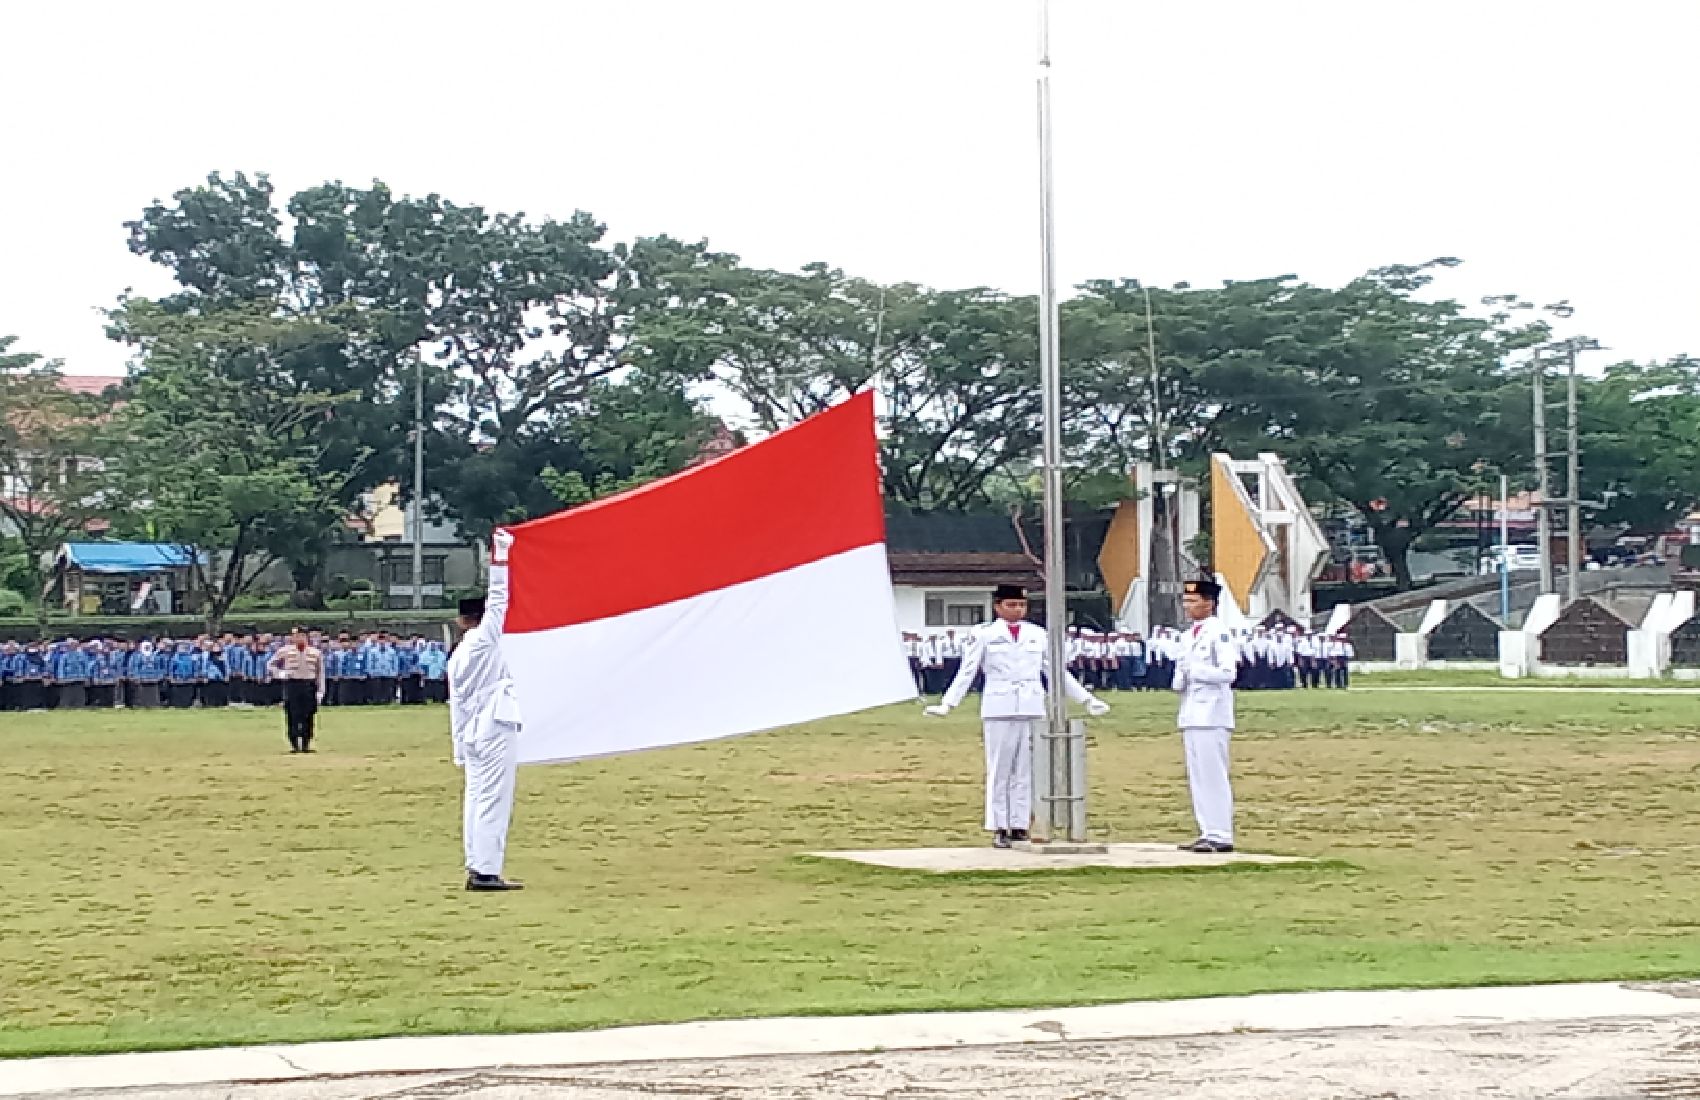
[1204, 675]
[480, 692]
[1013, 668]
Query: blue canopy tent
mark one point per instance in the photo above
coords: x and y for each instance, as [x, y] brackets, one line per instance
[117, 578]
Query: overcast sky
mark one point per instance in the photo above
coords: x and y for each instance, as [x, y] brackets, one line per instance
[1552, 145]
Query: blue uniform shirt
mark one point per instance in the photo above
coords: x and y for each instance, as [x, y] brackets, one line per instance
[103, 668]
[72, 667]
[184, 667]
[147, 668]
[434, 662]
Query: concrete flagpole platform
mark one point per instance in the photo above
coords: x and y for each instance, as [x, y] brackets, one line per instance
[1286, 1013]
[1059, 857]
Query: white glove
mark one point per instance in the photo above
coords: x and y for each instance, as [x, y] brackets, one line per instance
[500, 543]
[939, 711]
[1097, 708]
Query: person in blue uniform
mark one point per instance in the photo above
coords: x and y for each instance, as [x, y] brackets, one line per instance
[433, 666]
[104, 671]
[32, 678]
[384, 668]
[356, 689]
[183, 676]
[70, 675]
[215, 675]
[11, 666]
[411, 680]
[236, 665]
[147, 670]
[333, 671]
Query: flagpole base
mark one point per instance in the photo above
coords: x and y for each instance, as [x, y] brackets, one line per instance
[1061, 847]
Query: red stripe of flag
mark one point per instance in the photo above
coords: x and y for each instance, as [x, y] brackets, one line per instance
[803, 494]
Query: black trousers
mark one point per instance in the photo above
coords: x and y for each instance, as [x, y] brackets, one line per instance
[181, 694]
[102, 696]
[300, 707]
[215, 693]
[436, 691]
[412, 690]
[73, 696]
[8, 695]
[383, 690]
[32, 695]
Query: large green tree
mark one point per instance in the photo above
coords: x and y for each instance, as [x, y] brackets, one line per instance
[219, 447]
[52, 473]
[1640, 443]
[956, 371]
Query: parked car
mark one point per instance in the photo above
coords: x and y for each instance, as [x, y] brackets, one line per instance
[1523, 559]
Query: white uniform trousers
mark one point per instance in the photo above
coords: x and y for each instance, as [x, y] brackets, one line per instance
[490, 799]
[1009, 772]
[1207, 775]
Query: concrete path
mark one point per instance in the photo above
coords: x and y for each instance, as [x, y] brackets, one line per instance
[1575, 1042]
[1555, 689]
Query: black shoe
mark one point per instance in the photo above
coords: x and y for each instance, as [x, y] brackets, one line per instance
[1001, 840]
[1207, 847]
[1018, 835]
[491, 882]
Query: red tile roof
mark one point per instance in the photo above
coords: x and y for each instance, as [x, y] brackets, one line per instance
[92, 384]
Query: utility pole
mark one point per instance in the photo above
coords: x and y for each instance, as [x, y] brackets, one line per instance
[1543, 519]
[1573, 488]
[418, 481]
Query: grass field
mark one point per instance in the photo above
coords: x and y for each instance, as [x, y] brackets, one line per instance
[178, 879]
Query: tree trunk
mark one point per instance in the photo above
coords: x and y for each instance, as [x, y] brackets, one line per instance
[309, 592]
[1395, 543]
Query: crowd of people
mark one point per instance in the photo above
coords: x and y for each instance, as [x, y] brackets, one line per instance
[1270, 657]
[231, 670]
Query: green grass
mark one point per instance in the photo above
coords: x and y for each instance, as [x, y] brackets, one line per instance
[178, 879]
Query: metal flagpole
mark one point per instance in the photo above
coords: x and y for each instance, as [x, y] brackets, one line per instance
[419, 482]
[1062, 801]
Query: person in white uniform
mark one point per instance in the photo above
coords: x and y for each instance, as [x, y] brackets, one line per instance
[484, 723]
[1015, 656]
[1204, 677]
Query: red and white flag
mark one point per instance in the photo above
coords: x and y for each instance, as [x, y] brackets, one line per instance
[745, 594]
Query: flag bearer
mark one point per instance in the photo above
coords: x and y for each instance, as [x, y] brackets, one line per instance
[1015, 656]
[1205, 666]
[484, 723]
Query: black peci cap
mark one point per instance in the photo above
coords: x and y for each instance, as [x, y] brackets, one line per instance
[472, 607]
[1008, 592]
[1205, 587]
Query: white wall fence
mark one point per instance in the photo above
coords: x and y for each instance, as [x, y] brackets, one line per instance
[1647, 645]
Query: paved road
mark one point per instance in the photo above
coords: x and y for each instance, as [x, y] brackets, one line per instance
[1636, 1059]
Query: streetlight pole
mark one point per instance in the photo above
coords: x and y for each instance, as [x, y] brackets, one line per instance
[1060, 755]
